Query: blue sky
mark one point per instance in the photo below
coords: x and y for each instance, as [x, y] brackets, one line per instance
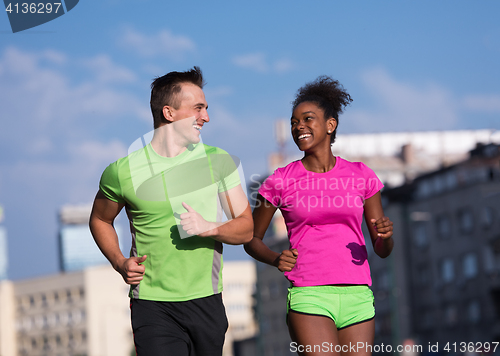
[74, 92]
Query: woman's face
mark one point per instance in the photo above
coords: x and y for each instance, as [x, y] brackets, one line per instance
[309, 127]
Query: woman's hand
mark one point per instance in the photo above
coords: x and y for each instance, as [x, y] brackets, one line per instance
[286, 260]
[383, 226]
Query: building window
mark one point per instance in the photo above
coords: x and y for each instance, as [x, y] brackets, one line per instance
[420, 235]
[424, 188]
[443, 226]
[451, 180]
[43, 299]
[447, 270]
[451, 315]
[466, 221]
[470, 268]
[487, 217]
[474, 311]
[438, 183]
[489, 263]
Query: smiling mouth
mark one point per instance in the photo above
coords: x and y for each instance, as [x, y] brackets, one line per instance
[197, 127]
[303, 136]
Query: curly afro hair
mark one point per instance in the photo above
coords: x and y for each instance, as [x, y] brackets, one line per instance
[328, 94]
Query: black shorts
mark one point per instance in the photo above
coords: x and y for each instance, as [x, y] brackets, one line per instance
[193, 328]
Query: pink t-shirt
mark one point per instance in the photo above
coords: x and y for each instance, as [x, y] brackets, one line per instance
[323, 214]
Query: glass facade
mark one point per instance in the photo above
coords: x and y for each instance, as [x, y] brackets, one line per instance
[78, 248]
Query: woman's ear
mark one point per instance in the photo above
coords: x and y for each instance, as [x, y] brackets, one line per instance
[331, 125]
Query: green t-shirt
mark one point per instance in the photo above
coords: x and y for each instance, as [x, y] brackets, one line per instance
[153, 187]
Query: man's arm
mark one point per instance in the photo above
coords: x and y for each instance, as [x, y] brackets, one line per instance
[237, 230]
[102, 217]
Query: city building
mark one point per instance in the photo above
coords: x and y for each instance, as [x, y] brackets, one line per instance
[449, 254]
[77, 249]
[239, 287]
[399, 157]
[439, 284]
[272, 289]
[75, 313]
[86, 312]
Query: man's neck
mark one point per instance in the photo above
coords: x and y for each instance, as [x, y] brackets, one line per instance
[165, 144]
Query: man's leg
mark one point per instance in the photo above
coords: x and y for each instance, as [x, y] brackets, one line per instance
[156, 333]
[206, 323]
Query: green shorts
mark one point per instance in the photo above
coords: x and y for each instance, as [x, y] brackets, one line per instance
[346, 306]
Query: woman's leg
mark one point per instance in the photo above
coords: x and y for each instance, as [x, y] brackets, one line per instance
[357, 339]
[314, 335]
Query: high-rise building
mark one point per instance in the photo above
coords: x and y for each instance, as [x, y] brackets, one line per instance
[239, 286]
[76, 313]
[77, 248]
[449, 256]
[399, 157]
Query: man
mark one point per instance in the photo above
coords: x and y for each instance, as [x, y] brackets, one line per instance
[171, 189]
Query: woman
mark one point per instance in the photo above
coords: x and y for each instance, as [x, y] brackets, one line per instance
[323, 199]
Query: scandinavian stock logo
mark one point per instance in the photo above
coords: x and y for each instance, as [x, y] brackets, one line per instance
[24, 15]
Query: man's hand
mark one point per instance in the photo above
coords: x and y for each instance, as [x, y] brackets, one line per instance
[286, 260]
[194, 224]
[383, 226]
[132, 270]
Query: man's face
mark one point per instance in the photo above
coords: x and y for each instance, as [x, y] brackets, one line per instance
[191, 115]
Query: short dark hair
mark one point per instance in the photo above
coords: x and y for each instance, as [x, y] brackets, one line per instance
[165, 90]
[328, 94]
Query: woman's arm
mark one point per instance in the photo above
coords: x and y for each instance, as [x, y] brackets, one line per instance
[262, 216]
[379, 226]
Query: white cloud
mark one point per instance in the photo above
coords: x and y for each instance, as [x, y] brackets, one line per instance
[51, 125]
[283, 65]
[40, 101]
[163, 43]
[483, 103]
[106, 71]
[403, 106]
[55, 57]
[258, 62]
[253, 61]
